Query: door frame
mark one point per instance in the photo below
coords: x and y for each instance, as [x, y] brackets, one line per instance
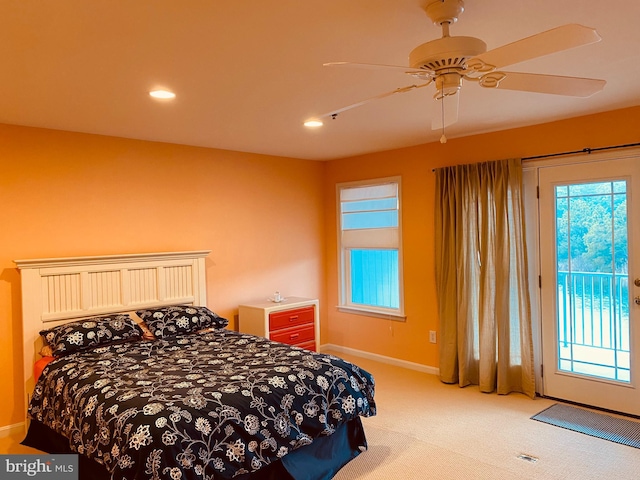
[531, 170]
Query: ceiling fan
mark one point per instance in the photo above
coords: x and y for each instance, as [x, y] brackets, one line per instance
[447, 61]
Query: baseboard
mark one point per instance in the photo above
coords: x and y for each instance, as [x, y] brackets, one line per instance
[9, 430]
[381, 358]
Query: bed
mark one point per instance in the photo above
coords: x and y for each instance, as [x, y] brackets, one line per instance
[146, 382]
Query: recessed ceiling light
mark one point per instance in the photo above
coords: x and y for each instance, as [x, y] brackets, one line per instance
[164, 94]
[313, 123]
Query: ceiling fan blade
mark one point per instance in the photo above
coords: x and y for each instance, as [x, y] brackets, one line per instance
[553, 84]
[539, 45]
[423, 75]
[377, 66]
[447, 111]
[335, 113]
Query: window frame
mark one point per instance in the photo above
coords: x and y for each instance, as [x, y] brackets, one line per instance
[344, 263]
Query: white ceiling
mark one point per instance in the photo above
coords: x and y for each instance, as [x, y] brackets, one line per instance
[247, 73]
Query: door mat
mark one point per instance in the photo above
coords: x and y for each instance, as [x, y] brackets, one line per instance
[589, 422]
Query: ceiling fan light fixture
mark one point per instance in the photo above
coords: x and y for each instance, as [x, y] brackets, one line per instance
[448, 84]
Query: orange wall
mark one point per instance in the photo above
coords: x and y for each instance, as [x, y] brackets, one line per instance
[409, 340]
[68, 194]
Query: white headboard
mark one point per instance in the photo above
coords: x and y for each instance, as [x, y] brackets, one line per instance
[58, 290]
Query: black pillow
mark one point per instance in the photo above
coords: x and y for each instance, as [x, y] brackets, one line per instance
[91, 332]
[179, 319]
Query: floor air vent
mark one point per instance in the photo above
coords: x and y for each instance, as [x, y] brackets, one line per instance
[528, 458]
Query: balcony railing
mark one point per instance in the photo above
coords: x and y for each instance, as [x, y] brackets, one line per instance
[593, 324]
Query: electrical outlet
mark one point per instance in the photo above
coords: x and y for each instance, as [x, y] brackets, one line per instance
[432, 336]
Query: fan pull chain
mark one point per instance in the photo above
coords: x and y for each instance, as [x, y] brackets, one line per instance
[443, 138]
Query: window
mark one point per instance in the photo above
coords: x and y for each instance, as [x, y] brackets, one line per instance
[369, 245]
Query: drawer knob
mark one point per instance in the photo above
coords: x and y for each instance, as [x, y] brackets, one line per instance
[294, 336]
[293, 317]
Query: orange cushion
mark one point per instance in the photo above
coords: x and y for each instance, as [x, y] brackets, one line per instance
[39, 366]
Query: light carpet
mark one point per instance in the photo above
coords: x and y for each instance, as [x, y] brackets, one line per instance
[392, 455]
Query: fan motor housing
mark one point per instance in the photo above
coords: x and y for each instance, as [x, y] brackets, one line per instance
[446, 53]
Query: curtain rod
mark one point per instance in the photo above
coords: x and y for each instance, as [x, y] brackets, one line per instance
[574, 152]
[584, 150]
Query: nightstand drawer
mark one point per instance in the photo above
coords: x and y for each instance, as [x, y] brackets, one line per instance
[294, 336]
[290, 318]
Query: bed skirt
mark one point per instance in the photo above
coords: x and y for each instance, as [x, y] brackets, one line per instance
[320, 460]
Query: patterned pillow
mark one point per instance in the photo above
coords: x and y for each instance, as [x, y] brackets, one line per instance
[91, 332]
[179, 319]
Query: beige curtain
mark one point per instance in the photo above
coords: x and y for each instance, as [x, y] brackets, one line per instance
[481, 276]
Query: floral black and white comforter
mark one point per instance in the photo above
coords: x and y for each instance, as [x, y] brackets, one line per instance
[213, 405]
